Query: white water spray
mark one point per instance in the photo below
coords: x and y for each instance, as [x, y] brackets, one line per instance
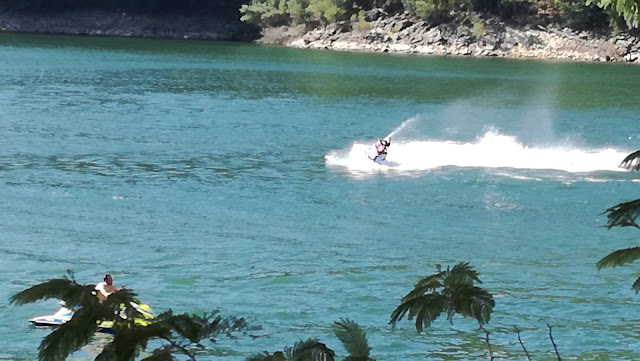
[402, 126]
[492, 150]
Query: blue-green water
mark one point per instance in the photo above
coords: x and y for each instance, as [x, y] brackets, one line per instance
[223, 176]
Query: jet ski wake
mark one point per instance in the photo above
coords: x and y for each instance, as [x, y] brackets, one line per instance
[492, 150]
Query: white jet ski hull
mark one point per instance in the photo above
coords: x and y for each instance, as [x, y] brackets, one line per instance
[64, 314]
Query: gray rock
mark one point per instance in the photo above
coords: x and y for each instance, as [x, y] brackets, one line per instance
[374, 14]
[434, 35]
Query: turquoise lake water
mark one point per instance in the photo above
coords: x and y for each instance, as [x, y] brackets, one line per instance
[226, 176]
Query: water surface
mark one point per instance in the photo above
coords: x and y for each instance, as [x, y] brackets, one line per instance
[225, 176]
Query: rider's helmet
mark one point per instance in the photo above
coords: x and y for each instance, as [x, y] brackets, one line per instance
[386, 142]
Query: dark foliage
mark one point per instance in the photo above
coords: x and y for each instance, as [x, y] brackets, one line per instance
[132, 331]
[149, 6]
[309, 350]
[451, 291]
[624, 215]
[632, 161]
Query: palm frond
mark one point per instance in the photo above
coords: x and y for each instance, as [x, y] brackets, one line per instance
[265, 356]
[426, 309]
[631, 162]
[353, 337]
[623, 214]
[108, 353]
[461, 274]
[636, 285]
[72, 293]
[129, 338]
[619, 257]
[309, 350]
[160, 354]
[426, 314]
[196, 328]
[69, 337]
[425, 285]
[193, 328]
[474, 302]
[117, 305]
[430, 281]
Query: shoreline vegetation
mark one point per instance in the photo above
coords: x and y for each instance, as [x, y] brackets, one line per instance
[554, 30]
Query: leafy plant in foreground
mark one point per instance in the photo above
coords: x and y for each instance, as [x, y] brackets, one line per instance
[179, 333]
[624, 215]
[452, 291]
[352, 336]
[309, 350]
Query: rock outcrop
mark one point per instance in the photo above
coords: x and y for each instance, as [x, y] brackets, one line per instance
[466, 35]
[403, 33]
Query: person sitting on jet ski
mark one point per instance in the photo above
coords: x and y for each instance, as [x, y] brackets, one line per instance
[378, 151]
[104, 289]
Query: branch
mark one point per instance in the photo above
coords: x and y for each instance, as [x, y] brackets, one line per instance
[555, 347]
[180, 348]
[488, 344]
[522, 343]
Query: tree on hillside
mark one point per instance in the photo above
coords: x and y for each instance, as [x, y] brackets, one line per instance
[627, 9]
[178, 333]
[452, 291]
[624, 215]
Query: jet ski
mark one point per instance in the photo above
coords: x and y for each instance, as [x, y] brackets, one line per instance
[61, 316]
[64, 314]
[378, 151]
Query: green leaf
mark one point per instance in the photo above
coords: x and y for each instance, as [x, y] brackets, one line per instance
[623, 214]
[619, 257]
[473, 302]
[265, 356]
[72, 293]
[353, 337]
[129, 338]
[309, 350]
[451, 291]
[629, 10]
[425, 308]
[636, 285]
[632, 161]
[427, 284]
[462, 274]
[69, 337]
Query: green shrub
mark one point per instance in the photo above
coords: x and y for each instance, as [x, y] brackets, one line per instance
[265, 13]
[629, 10]
[578, 16]
[326, 11]
[478, 28]
[428, 9]
[298, 10]
[359, 24]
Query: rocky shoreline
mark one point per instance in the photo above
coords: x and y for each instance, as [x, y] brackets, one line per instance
[466, 35]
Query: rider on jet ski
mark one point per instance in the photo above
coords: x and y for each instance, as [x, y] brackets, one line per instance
[105, 288]
[378, 151]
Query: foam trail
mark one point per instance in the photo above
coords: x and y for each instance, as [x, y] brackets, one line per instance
[493, 150]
